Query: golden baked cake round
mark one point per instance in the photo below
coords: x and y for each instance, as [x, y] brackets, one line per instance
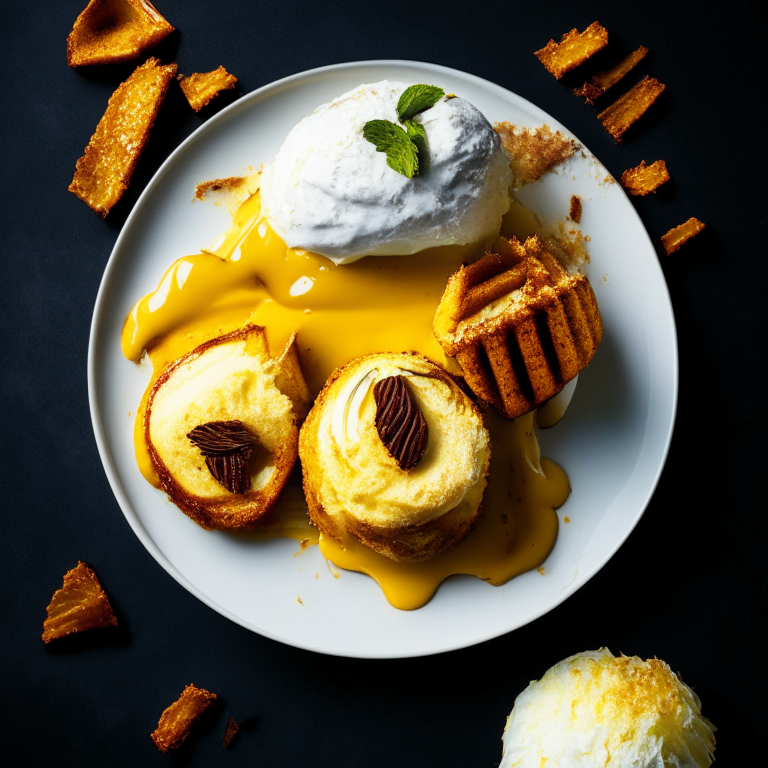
[395, 454]
[521, 322]
[221, 426]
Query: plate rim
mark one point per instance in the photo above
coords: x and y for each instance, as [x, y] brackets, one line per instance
[105, 453]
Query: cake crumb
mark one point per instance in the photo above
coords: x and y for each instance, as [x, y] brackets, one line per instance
[575, 212]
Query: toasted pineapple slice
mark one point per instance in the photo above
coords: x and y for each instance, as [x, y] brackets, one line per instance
[79, 605]
[111, 31]
[103, 172]
[177, 721]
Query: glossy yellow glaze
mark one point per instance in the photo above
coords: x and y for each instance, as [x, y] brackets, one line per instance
[378, 304]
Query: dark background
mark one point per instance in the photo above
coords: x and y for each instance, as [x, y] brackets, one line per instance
[688, 586]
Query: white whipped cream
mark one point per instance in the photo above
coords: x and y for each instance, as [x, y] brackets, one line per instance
[329, 191]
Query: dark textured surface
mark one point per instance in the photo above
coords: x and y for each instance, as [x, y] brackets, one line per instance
[689, 584]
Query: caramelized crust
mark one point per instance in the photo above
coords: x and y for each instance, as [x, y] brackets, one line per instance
[678, 236]
[644, 179]
[79, 605]
[573, 49]
[520, 324]
[602, 81]
[533, 151]
[177, 720]
[232, 511]
[103, 172]
[629, 108]
[111, 31]
[201, 88]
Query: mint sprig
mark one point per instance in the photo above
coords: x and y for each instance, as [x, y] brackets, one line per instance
[418, 136]
[406, 148]
[402, 154]
[417, 99]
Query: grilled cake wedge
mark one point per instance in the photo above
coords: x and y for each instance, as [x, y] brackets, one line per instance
[222, 426]
[521, 322]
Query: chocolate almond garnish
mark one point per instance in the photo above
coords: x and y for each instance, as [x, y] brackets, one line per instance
[226, 446]
[399, 422]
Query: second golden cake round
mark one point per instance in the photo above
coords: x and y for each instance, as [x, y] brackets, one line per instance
[395, 454]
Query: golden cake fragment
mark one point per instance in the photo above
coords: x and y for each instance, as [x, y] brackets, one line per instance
[200, 88]
[594, 709]
[396, 455]
[176, 722]
[521, 322]
[602, 81]
[103, 172]
[678, 236]
[112, 31]
[629, 108]
[221, 427]
[533, 151]
[573, 49]
[644, 179]
[79, 605]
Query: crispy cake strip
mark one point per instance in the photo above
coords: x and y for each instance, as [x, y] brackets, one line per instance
[201, 88]
[602, 81]
[103, 172]
[177, 720]
[573, 49]
[644, 179]
[629, 108]
[79, 605]
[680, 235]
[111, 31]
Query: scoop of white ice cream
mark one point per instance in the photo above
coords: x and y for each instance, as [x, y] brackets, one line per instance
[595, 709]
[329, 191]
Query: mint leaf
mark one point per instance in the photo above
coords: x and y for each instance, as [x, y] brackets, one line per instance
[418, 135]
[416, 99]
[402, 155]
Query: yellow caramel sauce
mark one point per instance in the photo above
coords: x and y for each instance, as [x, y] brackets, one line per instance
[377, 304]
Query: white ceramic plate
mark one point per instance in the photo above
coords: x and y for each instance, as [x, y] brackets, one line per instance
[612, 442]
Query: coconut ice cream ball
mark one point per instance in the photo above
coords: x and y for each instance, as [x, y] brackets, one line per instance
[595, 709]
[329, 191]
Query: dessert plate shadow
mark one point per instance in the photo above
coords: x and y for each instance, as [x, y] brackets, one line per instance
[612, 442]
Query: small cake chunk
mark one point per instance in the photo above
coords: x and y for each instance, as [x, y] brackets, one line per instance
[602, 81]
[533, 151]
[201, 88]
[111, 31]
[176, 722]
[680, 235]
[230, 732]
[103, 172]
[79, 605]
[573, 49]
[644, 179]
[575, 212]
[629, 108]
